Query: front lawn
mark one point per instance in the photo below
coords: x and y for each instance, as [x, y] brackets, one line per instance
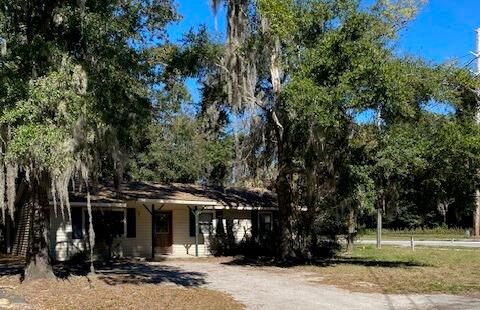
[401, 270]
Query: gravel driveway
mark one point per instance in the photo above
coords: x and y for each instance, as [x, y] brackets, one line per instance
[282, 288]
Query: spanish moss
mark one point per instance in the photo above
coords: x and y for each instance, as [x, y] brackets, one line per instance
[12, 171]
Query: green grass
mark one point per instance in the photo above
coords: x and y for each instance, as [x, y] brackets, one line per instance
[401, 270]
[419, 234]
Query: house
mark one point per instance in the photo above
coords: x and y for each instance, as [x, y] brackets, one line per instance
[151, 220]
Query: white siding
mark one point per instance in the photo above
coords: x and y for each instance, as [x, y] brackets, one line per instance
[61, 238]
[64, 246]
[242, 223]
[141, 245]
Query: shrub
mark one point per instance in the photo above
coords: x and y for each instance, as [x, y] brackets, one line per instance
[220, 245]
[325, 248]
[80, 257]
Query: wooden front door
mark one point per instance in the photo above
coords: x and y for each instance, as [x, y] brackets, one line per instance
[163, 232]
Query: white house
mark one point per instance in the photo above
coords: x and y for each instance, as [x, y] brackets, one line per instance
[151, 220]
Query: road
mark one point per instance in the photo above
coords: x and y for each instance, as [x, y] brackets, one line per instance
[429, 243]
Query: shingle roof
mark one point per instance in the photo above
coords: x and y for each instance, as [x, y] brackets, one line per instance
[231, 197]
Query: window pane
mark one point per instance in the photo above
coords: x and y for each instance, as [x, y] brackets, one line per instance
[265, 222]
[162, 224]
[205, 218]
[267, 218]
[206, 222]
[107, 224]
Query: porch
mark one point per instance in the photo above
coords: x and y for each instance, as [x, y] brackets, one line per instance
[154, 222]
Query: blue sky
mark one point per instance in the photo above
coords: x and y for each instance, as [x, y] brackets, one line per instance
[444, 30]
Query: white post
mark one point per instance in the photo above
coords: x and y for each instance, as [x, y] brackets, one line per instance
[412, 243]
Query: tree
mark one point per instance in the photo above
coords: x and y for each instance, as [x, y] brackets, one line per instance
[178, 151]
[188, 141]
[303, 68]
[77, 82]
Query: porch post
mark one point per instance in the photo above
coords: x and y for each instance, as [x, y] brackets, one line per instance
[196, 214]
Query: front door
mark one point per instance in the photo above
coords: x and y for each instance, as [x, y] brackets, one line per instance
[163, 233]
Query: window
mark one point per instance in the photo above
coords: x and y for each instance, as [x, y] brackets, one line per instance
[264, 222]
[205, 221]
[162, 223]
[107, 224]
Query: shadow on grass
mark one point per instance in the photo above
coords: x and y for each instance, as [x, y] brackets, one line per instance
[368, 262]
[114, 272]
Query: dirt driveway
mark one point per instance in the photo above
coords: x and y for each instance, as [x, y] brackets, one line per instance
[283, 288]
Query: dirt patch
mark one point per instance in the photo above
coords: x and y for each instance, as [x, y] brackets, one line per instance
[118, 285]
[79, 292]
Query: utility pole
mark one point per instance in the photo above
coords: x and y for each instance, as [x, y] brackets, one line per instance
[476, 215]
[379, 227]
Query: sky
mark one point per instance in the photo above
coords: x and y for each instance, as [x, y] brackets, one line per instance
[443, 31]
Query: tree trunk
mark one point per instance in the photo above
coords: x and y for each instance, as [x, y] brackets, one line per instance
[284, 198]
[283, 186]
[284, 216]
[38, 264]
[351, 230]
[476, 215]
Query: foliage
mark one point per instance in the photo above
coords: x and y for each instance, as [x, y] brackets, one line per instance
[430, 163]
[77, 79]
[253, 247]
[180, 152]
[321, 64]
[185, 141]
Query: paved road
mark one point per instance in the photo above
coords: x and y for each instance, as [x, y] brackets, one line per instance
[430, 243]
[282, 288]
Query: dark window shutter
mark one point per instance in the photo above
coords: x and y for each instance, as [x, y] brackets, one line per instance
[77, 231]
[220, 230]
[254, 223]
[131, 223]
[275, 220]
[192, 223]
